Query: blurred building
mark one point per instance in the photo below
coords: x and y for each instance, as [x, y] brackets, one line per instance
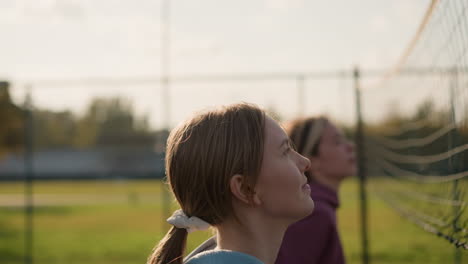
[86, 164]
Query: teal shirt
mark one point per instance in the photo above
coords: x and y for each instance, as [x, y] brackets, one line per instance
[223, 257]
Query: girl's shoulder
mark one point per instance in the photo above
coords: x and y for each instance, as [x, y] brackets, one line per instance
[223, 257]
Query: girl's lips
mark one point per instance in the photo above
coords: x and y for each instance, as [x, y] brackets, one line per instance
[306, 187]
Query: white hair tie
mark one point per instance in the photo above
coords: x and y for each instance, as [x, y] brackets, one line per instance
[180, 220]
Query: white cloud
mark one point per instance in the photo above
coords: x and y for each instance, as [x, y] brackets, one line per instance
[406, 11]
[43, 11]
[283, 4]
[380, 24]
[69, 9]
[190, 45]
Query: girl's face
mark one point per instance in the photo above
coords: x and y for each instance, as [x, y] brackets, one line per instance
[336, 157]
[282, 190]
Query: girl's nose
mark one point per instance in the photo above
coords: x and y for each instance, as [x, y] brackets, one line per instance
[304, 163]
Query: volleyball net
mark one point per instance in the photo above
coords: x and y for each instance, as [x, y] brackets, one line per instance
[416, 126]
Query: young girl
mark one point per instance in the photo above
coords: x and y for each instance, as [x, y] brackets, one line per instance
[233, 169]
[315, 239]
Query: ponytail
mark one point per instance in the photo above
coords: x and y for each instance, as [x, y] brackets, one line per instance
[171, 248]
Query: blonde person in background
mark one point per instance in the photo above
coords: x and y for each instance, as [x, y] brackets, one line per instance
[233, 169]
[315, 239]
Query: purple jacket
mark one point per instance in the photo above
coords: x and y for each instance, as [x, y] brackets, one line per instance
[314, 239]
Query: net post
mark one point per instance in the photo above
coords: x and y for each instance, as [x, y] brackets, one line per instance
[359, 139]
[29, 176]
[165, 85]
[452, 142]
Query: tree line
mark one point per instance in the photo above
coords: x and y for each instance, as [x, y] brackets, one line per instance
[106, 122]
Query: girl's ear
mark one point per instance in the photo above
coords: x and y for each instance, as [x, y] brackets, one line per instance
[240, 189]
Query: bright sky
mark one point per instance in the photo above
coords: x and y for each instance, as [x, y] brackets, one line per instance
[60, 39]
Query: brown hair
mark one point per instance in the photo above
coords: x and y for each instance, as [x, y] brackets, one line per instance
[202, 154]
[306, 134]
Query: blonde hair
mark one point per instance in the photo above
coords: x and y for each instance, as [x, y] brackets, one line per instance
[202, 155]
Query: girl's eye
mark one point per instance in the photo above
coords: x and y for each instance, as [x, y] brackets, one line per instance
[289, 148]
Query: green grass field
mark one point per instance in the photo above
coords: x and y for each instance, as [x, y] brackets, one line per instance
[119, 222]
